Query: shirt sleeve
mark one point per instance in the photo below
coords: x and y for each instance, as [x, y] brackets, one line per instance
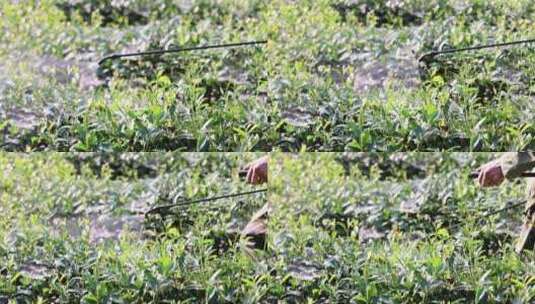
[515, 163]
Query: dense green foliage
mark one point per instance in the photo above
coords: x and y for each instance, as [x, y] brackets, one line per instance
[70, 236]
[380, 233]
[355, 228]
[335, 75]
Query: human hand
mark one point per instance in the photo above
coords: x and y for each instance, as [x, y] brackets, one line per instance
[491, 175]
[257, 171]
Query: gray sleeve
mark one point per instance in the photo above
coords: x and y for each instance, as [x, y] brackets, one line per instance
[515, 163]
